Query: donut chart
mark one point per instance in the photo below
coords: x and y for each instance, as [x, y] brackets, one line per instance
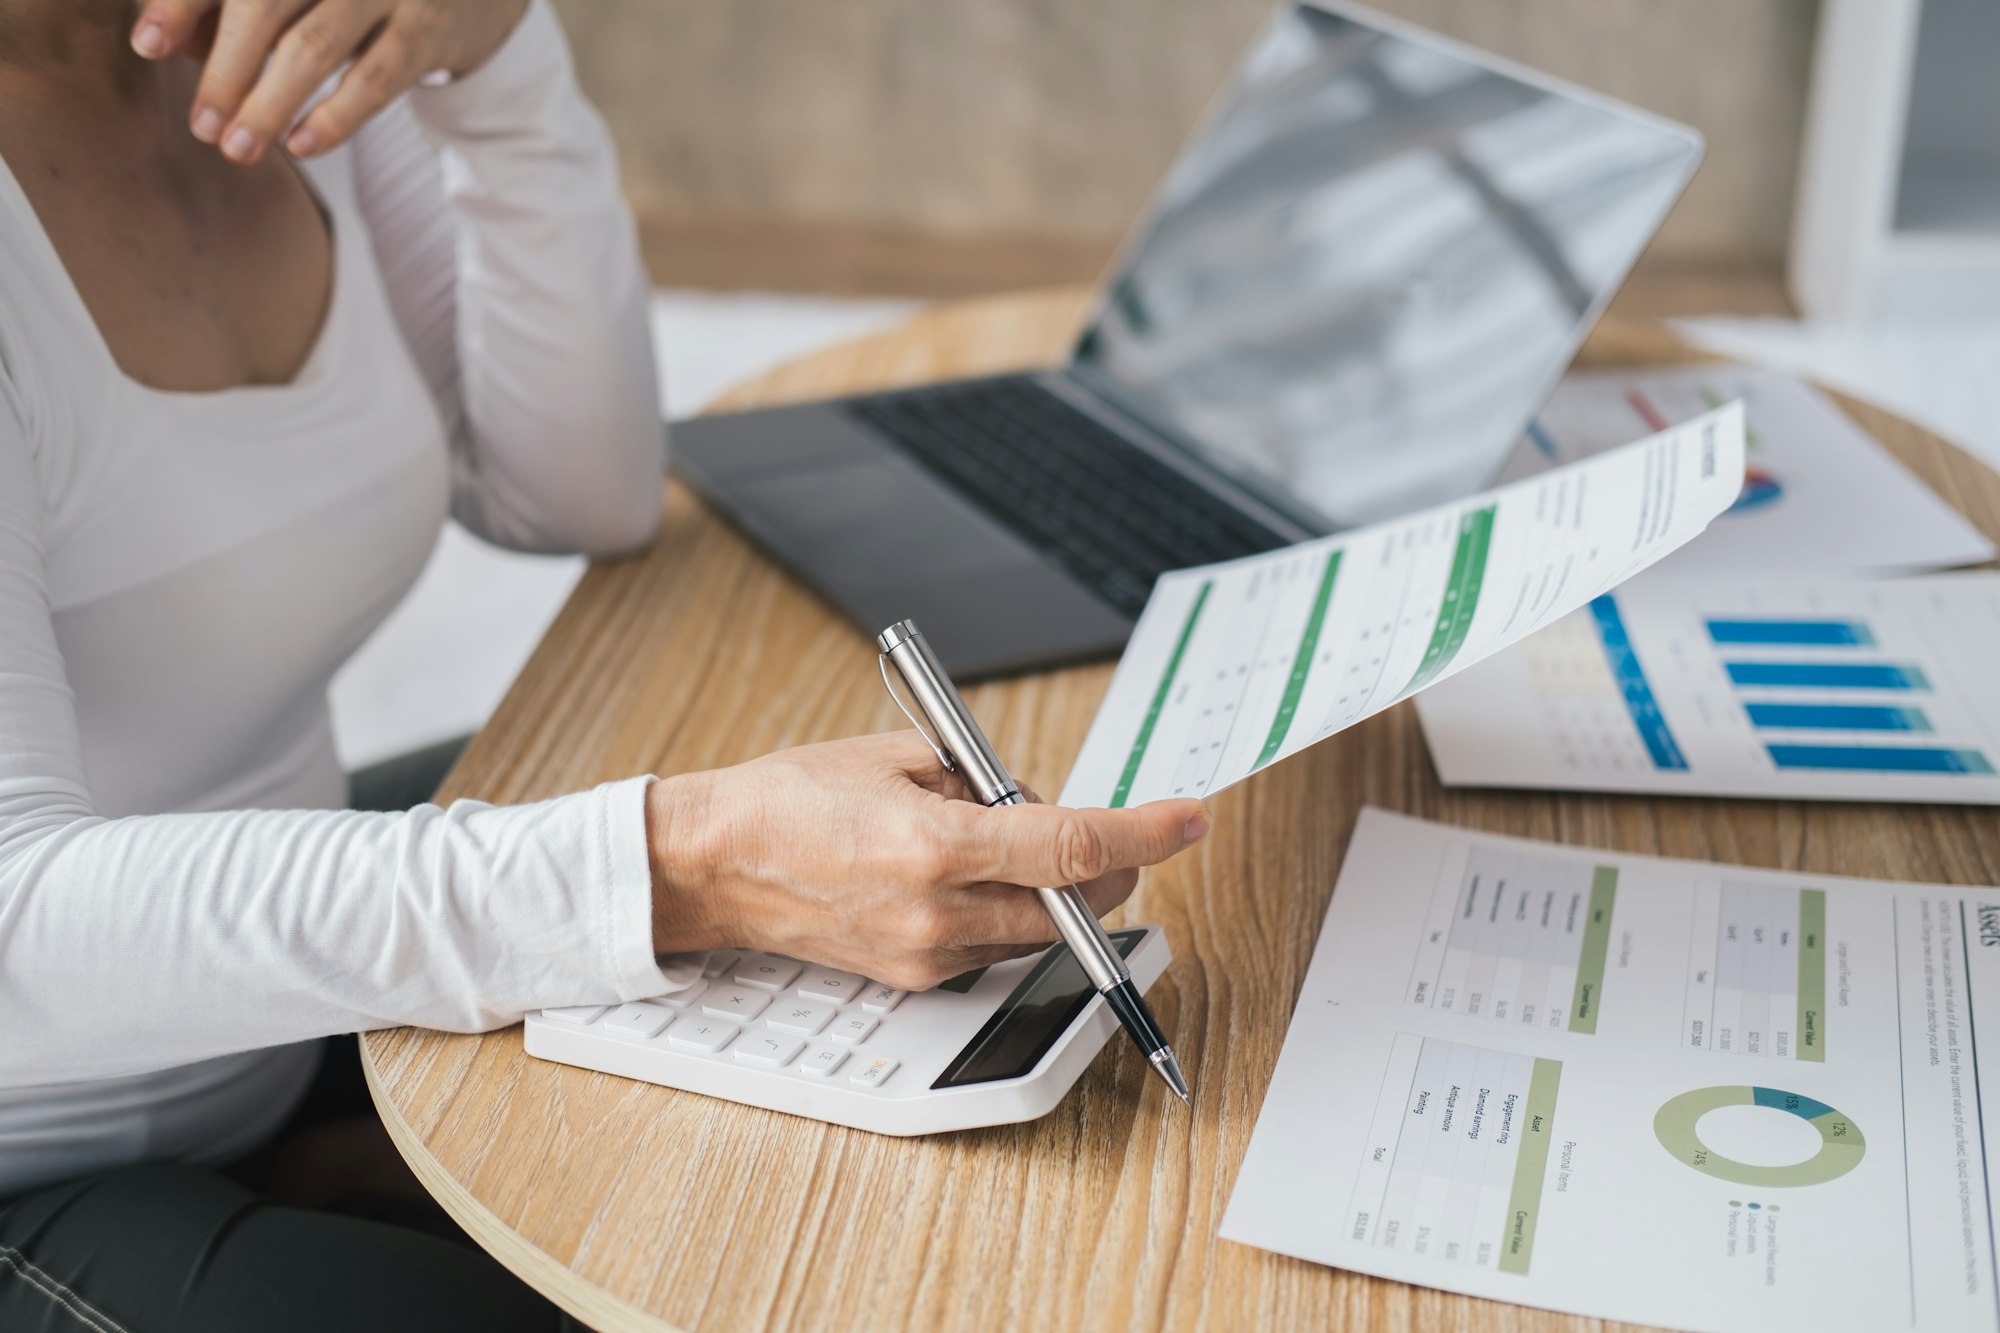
[1841, 1144]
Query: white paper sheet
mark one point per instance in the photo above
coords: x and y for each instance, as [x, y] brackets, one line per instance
[1821, 689]
[1667, 1092]
[1234, 666]
[1820, 496]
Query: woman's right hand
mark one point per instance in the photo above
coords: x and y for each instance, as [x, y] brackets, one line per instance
[867, 856]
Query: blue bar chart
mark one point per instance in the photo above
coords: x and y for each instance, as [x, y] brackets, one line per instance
[1790, 633]
[1881, 758]
[1639, 701]
[1844, 691]
[1834, 668]
[1836, 717]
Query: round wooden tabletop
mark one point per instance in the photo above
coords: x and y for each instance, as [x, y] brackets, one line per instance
[638, 1207]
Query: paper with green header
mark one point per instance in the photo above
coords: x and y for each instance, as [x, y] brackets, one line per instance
[1234, 666]
[1666, 1092]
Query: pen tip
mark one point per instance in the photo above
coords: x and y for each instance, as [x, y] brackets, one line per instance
[1169, 1070]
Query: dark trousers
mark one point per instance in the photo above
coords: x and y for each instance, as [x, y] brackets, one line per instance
[162, 1248]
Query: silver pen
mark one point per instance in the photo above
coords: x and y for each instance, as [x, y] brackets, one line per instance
[962, 747]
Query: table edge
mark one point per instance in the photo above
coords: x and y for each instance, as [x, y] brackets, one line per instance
[541, 1271]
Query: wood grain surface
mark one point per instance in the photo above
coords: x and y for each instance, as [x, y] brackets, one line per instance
[637, 1207]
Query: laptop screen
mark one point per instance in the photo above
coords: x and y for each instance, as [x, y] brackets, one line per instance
[1371, 265]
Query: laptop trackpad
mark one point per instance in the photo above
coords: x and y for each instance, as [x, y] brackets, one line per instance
[884, 542]
[865, 523]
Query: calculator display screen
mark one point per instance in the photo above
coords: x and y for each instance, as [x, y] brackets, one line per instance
[1030, 1020]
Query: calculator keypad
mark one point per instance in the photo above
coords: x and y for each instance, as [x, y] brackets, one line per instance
[805, 1017]
[880, 999]
[679, 999]
[736, 1002]
[766, 971]
[637, 1020]
[771, 1050]
[853, 1029]
[822, 1060]
[701, 1034]
[873, 1073]
[764, 1011]
[825, 983]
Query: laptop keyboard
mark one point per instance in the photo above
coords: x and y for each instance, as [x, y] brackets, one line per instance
[1108, 513]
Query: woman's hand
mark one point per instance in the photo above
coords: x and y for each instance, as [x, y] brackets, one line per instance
[865, 855]
[261, 60]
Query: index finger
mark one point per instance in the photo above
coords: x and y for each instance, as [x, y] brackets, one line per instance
[1043, 845]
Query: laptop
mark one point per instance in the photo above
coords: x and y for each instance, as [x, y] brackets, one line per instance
[1353, 290]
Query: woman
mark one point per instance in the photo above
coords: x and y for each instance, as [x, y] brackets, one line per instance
[249, 359]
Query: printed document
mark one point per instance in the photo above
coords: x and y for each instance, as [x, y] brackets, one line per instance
[1823, 690]
[1668, 1092]
[1234, 666]
[1819, 495]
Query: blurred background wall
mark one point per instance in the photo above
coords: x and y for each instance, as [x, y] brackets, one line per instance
[932, 147]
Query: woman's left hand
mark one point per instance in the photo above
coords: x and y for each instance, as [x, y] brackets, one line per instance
[264, 58]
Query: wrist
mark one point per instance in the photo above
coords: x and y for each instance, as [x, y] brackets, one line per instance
[679, 856]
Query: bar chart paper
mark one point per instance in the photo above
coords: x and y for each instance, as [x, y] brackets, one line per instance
[1820, 689]
[1234, 666]
[1774, 1116]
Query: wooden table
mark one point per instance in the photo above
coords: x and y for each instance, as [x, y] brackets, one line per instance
[636, 1207]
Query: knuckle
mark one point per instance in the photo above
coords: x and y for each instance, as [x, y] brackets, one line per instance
[1080, 852]
[378, 77]
[315, 42]
[422, 19]
[924, 927]
[925, 862]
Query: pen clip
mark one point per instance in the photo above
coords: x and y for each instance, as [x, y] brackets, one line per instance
[882, 664]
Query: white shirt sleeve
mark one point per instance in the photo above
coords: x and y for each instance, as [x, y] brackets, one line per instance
[142, 942]
[513, 269]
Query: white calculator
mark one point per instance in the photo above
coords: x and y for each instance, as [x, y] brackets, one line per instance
[988, 1048]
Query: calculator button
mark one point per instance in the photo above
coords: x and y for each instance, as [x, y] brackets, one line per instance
[822, 1060]
[701, 1034]
[765, 971]
[825, 983]
[679, 999]
[575, 1013]
[773, 1050]
[853, 1029]
[637, 1020]
[719, 961]
[804, 1017]
[734, 1001]
[880, 999]
[874, 1073]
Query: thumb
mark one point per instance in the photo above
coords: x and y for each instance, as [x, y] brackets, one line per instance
[1044, 845]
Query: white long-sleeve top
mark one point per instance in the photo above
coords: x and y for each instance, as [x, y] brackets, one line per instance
[182, 899]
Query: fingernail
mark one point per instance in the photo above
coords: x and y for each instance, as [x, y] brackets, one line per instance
[303, 143]
[207, 124]
[241, 145]
[150, 40]
[1195, 829]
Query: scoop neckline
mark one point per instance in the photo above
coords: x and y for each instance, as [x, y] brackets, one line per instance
[313, 372]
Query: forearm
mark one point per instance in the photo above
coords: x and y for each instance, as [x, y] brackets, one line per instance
[138, 943]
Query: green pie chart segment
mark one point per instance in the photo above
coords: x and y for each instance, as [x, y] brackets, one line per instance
[1841, 1144]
